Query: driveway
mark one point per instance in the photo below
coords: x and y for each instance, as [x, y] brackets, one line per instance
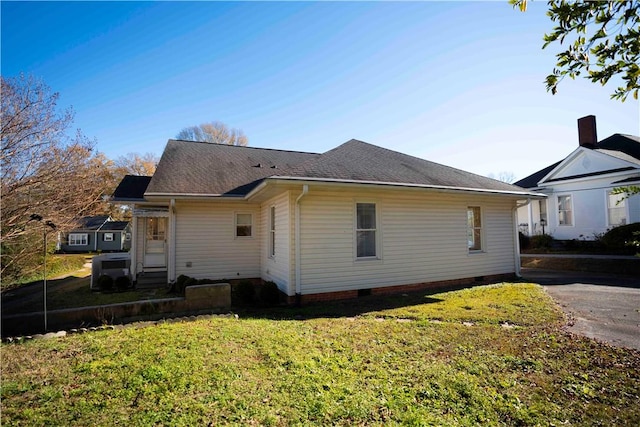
[601, 306]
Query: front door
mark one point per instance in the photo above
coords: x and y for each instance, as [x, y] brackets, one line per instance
[155, 254]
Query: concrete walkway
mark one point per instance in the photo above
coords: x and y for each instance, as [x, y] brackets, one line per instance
[601, 306]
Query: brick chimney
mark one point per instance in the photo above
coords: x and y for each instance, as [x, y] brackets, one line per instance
[587, 136]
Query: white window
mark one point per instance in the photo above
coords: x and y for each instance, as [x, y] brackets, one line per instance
[617, 209]
[78, 239]
[108, 237]
[244, 225]
[474, 228]
[565, 210]
[127, 237]
[272, 231]
[366, 230]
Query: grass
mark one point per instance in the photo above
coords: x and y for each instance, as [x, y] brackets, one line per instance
[438, 359]
[57, 265]
[69, 292]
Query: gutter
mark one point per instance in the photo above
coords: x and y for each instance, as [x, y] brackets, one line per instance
[305, 190]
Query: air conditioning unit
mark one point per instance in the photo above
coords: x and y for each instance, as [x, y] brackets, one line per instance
[113, 265]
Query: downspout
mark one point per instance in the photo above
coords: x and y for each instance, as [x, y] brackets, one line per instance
[516, 238]
[171, 277]
[305, 190]
[134, 248]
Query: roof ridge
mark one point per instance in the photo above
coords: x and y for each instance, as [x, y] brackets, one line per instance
[241, 146]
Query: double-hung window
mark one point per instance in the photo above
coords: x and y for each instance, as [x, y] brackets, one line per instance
[617, 209]
[366, 230]
[108, 237]
[565, 210]
[272, 231]
[244, 225]
[474, 228]
[78, 239]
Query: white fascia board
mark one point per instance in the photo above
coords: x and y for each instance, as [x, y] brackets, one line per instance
[562, 164]
[612, 175]
[355, 183]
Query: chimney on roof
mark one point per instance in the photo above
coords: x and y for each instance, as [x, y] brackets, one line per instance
[587, 136]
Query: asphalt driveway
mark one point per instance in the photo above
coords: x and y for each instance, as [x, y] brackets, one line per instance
[601, 306]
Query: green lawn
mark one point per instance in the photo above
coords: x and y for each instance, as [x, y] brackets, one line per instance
[438, 359]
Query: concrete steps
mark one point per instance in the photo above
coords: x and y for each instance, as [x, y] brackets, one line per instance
[152, 280]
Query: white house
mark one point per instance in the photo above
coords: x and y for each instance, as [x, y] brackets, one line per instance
[581, 203]
[355, 220]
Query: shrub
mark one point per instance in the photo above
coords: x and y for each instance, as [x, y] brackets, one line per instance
[105, 283]
[179, 285]
[245, 292]
[122, 283]
[541, 241]
[269, 293]
[622, 238]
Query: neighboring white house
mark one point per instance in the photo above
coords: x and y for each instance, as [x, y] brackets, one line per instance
[358, 219]
[581, 203]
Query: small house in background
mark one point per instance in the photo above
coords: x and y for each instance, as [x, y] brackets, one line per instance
[581, 202]
[96, 233]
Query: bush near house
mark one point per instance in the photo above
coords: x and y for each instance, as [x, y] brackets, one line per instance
[623, 239]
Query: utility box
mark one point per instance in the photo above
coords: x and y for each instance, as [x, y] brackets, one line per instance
[113, 265]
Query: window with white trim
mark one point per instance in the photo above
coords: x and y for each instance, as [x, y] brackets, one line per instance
[78, 239]
[617, 209]
[474, 228]
[272, 231]
[244, 225]
[366, 230]
[108, 237]
[565, 210]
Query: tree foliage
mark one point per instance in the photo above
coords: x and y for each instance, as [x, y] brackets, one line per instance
[605, 42]
[136, 164]
[48, 173]
[214, 132]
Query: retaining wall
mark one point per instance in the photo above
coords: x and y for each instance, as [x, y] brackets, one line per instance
[198, 299]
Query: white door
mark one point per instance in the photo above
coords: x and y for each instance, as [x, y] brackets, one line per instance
[155, 243]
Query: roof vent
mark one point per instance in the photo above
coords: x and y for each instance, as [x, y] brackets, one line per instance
[259, 165]
[274, 167]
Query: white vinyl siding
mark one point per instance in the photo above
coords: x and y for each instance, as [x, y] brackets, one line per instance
[78, 239]
[616, 209]
[206, 240]
[279, 267]
[423, 241]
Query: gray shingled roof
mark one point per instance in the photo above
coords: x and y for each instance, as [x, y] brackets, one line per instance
[195, 168]
[131, 188]
[359, 161]
[188, 167]
[114, 226]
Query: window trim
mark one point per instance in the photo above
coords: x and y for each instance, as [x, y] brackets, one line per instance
[573, 219]
[76, 237]
[236, 225]
[608, 207]
[272, 231]
[108, 237]
[481, 247]
[377, 230]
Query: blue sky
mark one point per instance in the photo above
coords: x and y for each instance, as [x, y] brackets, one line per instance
[459, 83]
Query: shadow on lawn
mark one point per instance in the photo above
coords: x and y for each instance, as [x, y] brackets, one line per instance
[345, 308]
